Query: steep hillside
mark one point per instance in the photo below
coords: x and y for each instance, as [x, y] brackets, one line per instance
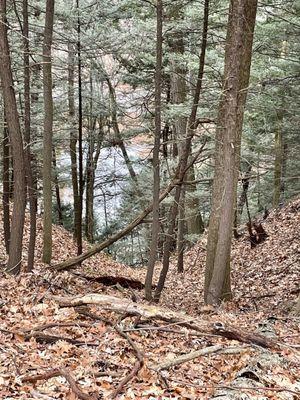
[246, 349]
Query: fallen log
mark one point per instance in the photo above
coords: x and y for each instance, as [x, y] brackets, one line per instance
[219, 349]
[72, 262]
[127, 307]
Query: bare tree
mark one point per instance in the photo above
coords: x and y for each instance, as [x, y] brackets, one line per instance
[156, 163]
[13, 123]
[238, 54]
[48, 128]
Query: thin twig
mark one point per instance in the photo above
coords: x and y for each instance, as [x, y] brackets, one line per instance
[59, 372]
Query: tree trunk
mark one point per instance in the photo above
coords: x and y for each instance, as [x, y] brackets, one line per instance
[30, 179]
[56, 186]
[6, 188]
[13, 123]
[183, 160]
[156, 162]
[238, 54]
[73, 144]
[80, 148]
[48, 127]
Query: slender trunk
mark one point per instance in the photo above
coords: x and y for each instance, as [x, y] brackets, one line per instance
[5, 181]
[184, 156]
[13, 123]
[181, 232]
[80, 148]
[156, 163]
[238, 54]
[48, 127]
[56, 186]
[73, 144]
[30, 180]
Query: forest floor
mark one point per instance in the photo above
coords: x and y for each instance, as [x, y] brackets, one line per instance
[250, 347]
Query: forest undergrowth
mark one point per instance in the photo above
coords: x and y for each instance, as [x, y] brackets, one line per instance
[247, 348]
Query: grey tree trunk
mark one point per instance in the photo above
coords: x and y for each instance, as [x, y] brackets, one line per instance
[238, 54]
[30, 170]
[48, 127]
[12, 118]
[184, 156]
[5, 183]
[156, 161]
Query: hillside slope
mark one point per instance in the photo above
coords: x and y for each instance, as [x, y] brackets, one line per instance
[53, 352]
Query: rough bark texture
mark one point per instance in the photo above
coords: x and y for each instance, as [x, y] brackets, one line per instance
[5, 183]
[48, 126]
[80, 133]
[156, 162]
[13, 123]
[30, 171]
[183, 160]
[56, 186]
[73, 143]
[238, 54]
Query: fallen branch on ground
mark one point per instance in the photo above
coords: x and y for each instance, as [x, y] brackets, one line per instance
[140, 359]
[59, 372]
[195, 354]
[125, 306]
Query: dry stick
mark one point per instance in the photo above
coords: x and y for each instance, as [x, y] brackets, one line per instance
[140, 359]
[59, 372]
[195, 354]
[177, 180]
[57, 325]
[126, 306]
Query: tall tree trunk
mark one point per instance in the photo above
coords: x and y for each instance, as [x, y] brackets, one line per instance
[181, 232]
[156, 162]
[80, 127]
[30, 180]
[48, 127]
[6, 188]
[238, 54]
[13, 123]
[183, 160]
[56, 186]
[73, 145]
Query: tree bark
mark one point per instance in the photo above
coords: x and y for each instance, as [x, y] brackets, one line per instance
[6, 186]
[80, 132]
[156, 161]
[73, 144]
[238, 54]
[183, 160]
[11, 113]
[30, 172]
[56, 186]
[48, 127]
